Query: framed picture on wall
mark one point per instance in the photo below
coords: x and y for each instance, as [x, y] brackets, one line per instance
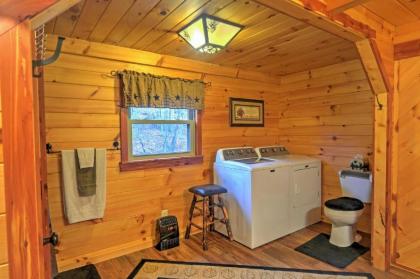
[246, 112]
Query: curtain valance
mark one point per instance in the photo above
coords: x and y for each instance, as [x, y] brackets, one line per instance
[146, 90]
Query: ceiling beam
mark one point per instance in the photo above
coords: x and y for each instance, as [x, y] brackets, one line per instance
[13, 12]
[51, 12]
[339, 6]
[314, 12]
[374, 66]
[407, 50]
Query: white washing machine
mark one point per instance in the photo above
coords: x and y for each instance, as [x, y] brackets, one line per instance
[304, 178]
[257, 198]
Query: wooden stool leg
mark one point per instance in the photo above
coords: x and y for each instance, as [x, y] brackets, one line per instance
[205, 216]
[211, 203]
[226, 217]
[191, 214]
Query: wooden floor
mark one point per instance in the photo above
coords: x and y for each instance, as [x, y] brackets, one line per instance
[279, 253]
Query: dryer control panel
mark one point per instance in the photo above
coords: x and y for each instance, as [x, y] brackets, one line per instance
[239, 153]
[269, 151]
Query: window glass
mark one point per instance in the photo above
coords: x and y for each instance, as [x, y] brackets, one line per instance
[161, 133]
[160, 114]
[154, 139]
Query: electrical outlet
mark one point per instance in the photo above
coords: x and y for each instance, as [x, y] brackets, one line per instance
[164, 213]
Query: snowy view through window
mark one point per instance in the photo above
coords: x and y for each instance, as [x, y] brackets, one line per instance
[152, 132]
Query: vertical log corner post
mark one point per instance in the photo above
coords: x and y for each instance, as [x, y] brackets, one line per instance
[382, 90]
[20, 137]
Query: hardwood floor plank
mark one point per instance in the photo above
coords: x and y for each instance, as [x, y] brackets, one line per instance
[279, 253]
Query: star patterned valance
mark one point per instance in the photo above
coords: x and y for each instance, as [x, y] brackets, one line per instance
[146, 90]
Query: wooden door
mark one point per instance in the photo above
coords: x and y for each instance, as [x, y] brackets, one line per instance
[406, 189]
[22, 156]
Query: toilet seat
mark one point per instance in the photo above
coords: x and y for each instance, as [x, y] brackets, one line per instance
[345, 204]
[343, 213]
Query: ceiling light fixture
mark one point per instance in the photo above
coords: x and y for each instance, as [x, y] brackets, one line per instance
[209, 34]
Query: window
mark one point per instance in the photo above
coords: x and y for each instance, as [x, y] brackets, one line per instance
[160, 137]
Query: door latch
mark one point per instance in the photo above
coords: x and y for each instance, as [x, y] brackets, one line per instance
[53, 239]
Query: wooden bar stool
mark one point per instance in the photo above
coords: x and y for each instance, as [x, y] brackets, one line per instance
[207, 194]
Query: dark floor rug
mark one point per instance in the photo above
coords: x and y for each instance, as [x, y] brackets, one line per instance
[84, 272]
[321, 249]
[160, 269]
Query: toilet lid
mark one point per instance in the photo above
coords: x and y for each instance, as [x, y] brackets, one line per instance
[345, 204]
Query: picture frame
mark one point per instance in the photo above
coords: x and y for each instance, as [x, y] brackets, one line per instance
[246, 112]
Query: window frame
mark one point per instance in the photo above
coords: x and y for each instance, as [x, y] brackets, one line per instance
[155, 161]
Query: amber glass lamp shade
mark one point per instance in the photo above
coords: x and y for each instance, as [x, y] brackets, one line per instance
[209, 34]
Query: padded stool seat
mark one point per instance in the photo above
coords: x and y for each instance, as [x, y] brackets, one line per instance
[206, 194]
[345, 204]
[208, 190]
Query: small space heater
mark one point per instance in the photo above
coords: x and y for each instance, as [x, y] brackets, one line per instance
[167, 233]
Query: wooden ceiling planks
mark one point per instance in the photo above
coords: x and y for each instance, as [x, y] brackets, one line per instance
[114, 12]
[88, 19]
[396, 12]
[392, 11]
[65, 23]
[129, 21]
[270, 41]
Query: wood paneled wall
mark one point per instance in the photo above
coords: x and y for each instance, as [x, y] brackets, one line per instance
[81, 110]
[405, 231]
[328, 113]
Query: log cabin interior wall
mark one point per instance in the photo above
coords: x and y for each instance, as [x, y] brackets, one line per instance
[328, 113]
[81, 110]
[310, 112]
[97, 21]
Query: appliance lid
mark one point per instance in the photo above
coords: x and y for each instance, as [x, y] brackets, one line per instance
[256, 160]
[294, 159]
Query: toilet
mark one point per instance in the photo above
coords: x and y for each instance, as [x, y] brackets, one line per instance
[344, 212]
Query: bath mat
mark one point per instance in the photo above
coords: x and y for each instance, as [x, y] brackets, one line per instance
[321, 249]
[84, 272]
[159, 269]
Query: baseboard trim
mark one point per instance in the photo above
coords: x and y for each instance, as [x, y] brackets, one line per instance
[108, 253]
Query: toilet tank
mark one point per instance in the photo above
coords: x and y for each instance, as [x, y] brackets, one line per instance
[356, 184]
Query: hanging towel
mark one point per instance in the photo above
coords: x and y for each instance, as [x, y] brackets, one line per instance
[86, 157]
[79, 208]
[86, 177]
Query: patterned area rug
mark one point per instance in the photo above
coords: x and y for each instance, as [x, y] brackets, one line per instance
[156, 269]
